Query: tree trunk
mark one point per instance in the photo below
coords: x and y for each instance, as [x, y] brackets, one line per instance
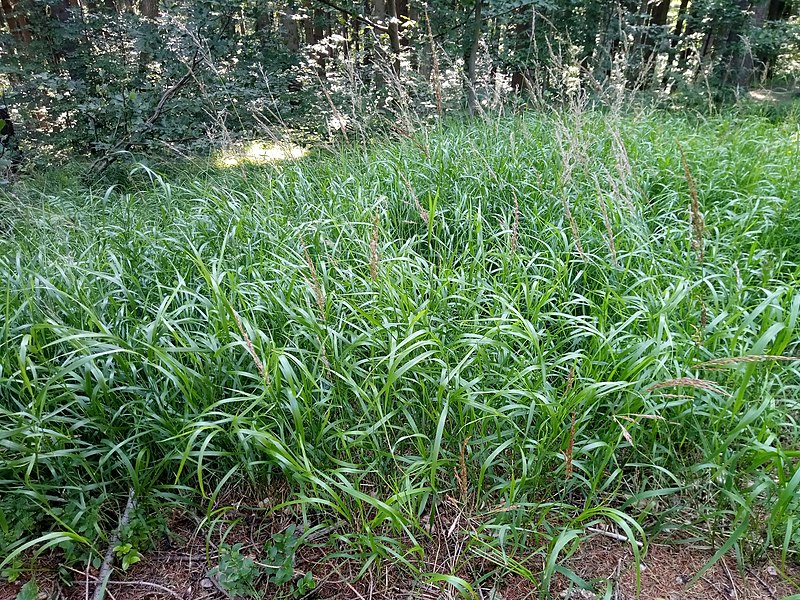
[743, 64]
[308, 24]
[394, 35]
[264, 22]
[149, 8]
[472, 40]
[680, 20]
[16, 21]
[676, 33]
[291, 31]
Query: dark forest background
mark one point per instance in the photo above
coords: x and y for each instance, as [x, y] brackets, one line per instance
[97, 76]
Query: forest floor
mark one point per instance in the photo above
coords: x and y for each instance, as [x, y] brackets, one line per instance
[182, 571]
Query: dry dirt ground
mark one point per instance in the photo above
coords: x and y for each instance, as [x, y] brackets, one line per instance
[177, 568]
[665, 572]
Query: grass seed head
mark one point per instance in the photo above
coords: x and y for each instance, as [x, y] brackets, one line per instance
[314, 283]
[250, 349]
[735, 360]
[422, 212]
[696, 217]
[515, 226]
[373, 246]
[570, 447]
[700, 384]
[612, 246]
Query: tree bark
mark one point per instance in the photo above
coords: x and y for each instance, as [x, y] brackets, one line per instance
[394, 35]
[654, 37]
[675, 37]
[743, 62]
[149, 8]
[679, 22]
[472, 39]
[16, 21]
[291, 31]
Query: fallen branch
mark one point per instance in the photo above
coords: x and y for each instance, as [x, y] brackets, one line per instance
[614, 536]
[108, 561]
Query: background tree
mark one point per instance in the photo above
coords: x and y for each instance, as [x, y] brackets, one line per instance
[84, 75]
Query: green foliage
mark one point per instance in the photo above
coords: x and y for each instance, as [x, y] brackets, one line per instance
[29, 591]
[127, 555]
[239, 574]
[279, 553]
[236, 573]
[104, 78]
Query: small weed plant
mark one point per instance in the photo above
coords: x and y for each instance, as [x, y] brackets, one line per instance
[240, 575]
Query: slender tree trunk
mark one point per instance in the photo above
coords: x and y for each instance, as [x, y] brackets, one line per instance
[472, 39]
[680, 20]
[319, 30]
[394, 35]
[690, 28]
[743, 63]
[149, 8]
[654, 38]
[308, 23]
[264, 22]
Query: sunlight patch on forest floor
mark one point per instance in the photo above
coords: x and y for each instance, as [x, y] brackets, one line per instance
[262, 153]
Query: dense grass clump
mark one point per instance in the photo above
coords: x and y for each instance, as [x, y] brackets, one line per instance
[531, 319]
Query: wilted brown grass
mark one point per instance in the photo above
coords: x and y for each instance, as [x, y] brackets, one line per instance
[696, 217]
[570, 448]
[515, 226]
[720, 362]
[319, 296]
[373, 247]
[700, 384]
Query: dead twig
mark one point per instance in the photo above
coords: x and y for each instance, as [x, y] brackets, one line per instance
[141, 583]
[614, 536]
[730, 578]
[108, 561]
[766, 586]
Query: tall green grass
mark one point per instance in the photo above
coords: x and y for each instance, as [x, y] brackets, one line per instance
[437, 351]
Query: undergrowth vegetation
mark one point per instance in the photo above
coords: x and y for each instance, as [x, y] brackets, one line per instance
[546, 325]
